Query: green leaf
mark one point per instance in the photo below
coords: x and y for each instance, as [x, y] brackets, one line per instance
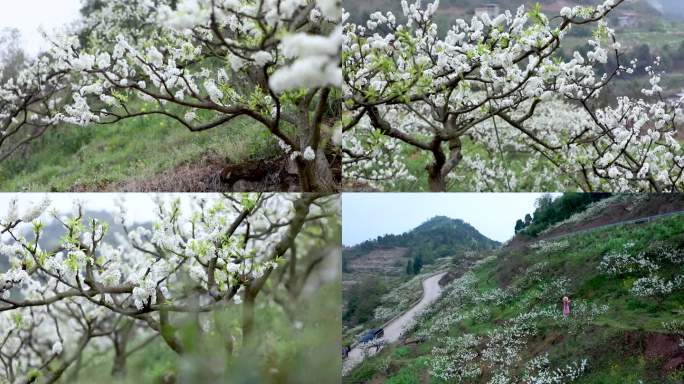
[72, 262]
[536, 14]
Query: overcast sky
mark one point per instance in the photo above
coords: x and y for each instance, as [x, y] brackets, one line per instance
[29, 15]
[367, 215]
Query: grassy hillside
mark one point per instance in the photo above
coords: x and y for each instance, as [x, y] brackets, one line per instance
[501, 321]
[132, 155]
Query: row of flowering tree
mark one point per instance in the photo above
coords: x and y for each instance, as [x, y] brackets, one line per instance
[200, 63]
[470, 100]
[226, 253]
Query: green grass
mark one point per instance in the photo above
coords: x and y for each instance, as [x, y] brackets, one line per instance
[92, 157]
[410, 372]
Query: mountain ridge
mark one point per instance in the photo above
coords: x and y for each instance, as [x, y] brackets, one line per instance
[393, 240]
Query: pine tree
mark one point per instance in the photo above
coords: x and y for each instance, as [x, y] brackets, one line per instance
[519, 225]
[417, 264]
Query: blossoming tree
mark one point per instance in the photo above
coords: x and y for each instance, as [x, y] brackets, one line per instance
[29, 104]
[471, 99]
[202, 64]
[87, 294]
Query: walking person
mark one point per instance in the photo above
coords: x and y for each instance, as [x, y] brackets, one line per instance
[345, 351]
[566, 306]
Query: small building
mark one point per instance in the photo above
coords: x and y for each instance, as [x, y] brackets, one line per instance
[491, 10]
[675, 98]
[628, 19]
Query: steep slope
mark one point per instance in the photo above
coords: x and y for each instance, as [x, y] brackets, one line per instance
[502, 320]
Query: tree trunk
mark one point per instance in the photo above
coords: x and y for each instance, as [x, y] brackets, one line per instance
[121, 338]
[166, 329]
[435, 178]
[248, 316]
[316, 176]
[436, 182]
[306, 176]
[230, 345]
[442, 166]
[119, 367]
[324, 179]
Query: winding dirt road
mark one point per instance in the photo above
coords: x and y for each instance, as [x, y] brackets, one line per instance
[395, 328]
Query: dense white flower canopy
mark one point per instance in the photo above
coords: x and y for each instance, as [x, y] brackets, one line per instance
[489, 87]
[201, 64]
[212, 254]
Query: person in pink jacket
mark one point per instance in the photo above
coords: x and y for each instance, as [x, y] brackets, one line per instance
[566, 306]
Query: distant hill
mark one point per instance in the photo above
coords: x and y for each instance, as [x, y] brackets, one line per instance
[438, 237]
[466, 8]
[381, 266]
[54, 230]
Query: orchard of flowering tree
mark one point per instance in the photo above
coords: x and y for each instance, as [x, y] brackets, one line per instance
[490, 104]
[197, 64]
[216, 288]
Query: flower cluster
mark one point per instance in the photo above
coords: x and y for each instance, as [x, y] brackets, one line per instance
[646, 265]
[539, 371]
[623, 263]
[656, 286]
[455, 359]
[31, 103]
[497, 84]
[400, 299]
[206, 254]
[545, 246]
[496, 296]
[674, 326]
[316, 62]
[504, 344]
[667, 253]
